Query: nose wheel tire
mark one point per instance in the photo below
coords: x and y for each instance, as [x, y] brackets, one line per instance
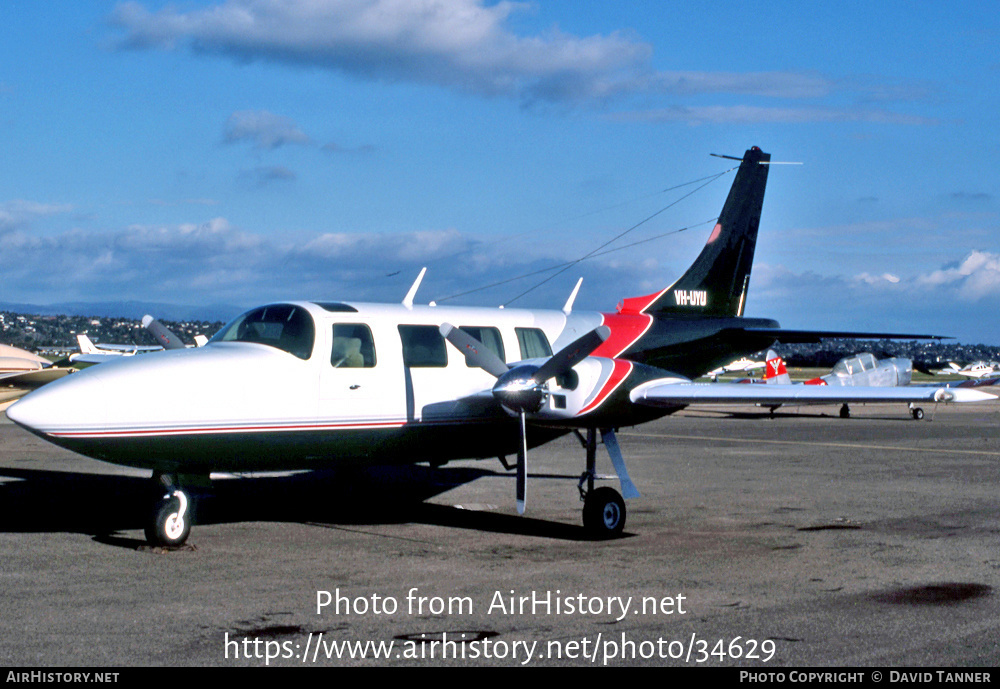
[170, 521]
[604, 513]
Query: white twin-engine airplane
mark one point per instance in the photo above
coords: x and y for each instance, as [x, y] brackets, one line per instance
[305, 385]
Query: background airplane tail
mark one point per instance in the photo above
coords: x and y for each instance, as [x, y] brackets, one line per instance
[716, 283]
[86, 346]
[775, 372]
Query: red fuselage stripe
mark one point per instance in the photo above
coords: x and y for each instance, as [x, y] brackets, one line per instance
[626, 330]
[617, 377]
[224, 429]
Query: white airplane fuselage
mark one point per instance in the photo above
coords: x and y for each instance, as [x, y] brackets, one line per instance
[245, 406]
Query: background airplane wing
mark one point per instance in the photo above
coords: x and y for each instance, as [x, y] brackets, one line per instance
[33, 378]
[94, 358]
[668, 394]
[129, 348]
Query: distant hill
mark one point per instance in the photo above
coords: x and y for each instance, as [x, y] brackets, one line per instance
[130, 309]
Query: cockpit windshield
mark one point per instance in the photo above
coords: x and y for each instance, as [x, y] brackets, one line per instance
[855, 364]
[287, 327]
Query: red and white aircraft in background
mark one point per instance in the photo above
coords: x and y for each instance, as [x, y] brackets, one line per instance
[862, 370]
[310, 384]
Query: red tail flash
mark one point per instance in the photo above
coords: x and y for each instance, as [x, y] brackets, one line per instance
[775, 368]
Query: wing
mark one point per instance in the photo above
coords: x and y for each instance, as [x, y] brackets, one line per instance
[669, 394]
[128, 348]
[33, 378]
[94, 357]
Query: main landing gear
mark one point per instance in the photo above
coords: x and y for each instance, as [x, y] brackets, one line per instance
[604, 508]
[169, 522]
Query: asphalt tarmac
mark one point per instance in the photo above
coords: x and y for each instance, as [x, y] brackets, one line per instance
[796, 540]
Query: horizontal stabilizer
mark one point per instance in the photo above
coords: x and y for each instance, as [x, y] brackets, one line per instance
[814, 336]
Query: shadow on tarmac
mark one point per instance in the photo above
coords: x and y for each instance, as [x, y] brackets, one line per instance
[103, 505]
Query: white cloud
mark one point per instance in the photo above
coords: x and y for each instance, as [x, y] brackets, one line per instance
[748, 114]
[948, 301]
[19, 213]
[885, 278]
[462, 44]
[976, 277]
[215, 262]
[262, 128]
[469, 45]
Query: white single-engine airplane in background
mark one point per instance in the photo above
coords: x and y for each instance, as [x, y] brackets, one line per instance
[98, 354]
[91, 353]
[740, 365]
[310, 384]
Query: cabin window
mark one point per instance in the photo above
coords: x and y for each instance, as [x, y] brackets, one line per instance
[283, 326]
[533, 343]
[423, 346]
[490, 337]
[353, 346]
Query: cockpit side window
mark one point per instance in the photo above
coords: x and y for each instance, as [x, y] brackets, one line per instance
[283, 326]
[353, 346]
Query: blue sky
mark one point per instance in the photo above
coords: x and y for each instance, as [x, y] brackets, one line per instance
[243, 151]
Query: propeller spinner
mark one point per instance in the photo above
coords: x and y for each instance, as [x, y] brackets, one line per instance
[521, 388]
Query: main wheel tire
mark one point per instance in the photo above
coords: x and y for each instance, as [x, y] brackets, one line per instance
[845, 412]
[917, 413]
[604, 513]
[170, 521]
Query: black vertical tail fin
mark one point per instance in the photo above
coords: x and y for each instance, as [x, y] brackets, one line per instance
[716, 283]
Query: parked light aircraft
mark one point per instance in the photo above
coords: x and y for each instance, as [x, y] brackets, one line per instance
[21, 371]
[860, 370]
[978, 369]
[303, 385]
[93, 354]
[742, 364]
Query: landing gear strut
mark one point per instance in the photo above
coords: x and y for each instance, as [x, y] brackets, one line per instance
[604, 508]
[169, 521]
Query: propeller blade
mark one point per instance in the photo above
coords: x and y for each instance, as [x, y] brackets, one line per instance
[572, 354]
[475, 352]
[522, 465]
